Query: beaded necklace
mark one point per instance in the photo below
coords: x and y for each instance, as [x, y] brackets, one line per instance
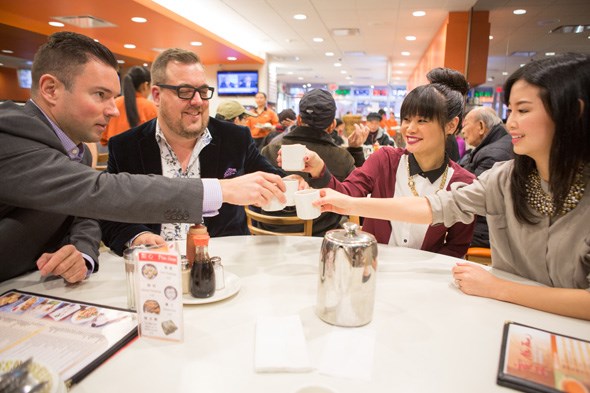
[543, 203]
[412, 185]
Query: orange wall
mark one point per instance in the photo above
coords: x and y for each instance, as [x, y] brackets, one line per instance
[9, 89]
[432, 58]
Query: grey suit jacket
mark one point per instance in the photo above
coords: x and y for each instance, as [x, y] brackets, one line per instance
[46, 200]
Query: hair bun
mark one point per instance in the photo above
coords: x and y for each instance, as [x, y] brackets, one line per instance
[453, 79]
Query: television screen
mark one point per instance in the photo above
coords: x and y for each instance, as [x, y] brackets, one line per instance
[24, 78]
[237, 83]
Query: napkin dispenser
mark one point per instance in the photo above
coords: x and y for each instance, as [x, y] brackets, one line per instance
[346, 284]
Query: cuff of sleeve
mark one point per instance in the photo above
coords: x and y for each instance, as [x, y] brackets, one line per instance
[436, 208]
[212, 197]
[322, 180]
[130, 242]
[90, 264]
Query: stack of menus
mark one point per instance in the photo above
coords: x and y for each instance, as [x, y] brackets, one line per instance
[71, 337]
[535, 360]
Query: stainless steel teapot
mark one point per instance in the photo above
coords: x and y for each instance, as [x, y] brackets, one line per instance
[346, 285]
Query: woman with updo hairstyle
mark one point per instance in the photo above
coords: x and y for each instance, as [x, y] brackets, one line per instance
[428, 114]
[537, 205]
[133, 105]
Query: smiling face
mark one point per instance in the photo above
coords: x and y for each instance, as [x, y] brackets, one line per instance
[424, 137]
[185, 118]
[83, 112]
[529, 124]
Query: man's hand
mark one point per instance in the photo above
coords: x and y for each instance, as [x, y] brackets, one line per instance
[66, 262]
[358, 136]
[253, 189]
[148, 238]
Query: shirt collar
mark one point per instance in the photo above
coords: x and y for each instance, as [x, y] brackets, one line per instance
[75, 152]
[430, 175]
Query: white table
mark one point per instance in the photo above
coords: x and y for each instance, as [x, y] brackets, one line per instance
[430, 337]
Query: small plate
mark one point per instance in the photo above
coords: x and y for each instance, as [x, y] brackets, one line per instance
[232, 286]
[37, 373]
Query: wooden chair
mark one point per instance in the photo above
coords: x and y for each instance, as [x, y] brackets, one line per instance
[101, 161]
[276, 220]
[480, 255]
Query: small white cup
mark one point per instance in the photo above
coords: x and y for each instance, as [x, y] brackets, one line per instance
[293, 156]
[291, 186]
[303, 200]
[274, 205]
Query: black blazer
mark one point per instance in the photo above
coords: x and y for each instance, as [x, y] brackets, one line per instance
[231, 153]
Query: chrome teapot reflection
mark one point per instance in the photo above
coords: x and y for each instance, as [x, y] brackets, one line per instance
[346, 285]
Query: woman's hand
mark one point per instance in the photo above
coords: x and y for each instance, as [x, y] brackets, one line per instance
[475, 280]
[333, 201]
[358, 137]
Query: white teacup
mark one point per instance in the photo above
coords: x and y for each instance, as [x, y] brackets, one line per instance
[291, 186]
[303, 204]
[274, 205]
[293, 156]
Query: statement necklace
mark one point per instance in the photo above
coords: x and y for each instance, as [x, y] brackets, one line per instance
[412, 185]
[543, 203]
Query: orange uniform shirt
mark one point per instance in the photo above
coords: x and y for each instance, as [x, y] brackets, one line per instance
[146, 109]
[266, 116]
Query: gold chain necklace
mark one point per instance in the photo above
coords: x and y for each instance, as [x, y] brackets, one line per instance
[543, 203]
[412, 185]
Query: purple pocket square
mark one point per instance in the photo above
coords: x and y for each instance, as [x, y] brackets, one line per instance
[229, 172]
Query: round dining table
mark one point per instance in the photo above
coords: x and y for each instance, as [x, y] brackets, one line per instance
[426, 335]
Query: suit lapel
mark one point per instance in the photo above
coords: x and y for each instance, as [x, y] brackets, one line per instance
[149, 151]
[209, 156]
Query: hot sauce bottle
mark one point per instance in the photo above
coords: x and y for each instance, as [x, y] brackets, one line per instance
[202, 281]
[194, 230]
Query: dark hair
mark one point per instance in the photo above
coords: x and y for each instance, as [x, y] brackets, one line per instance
[135, 77]
[338, 122]
[287, 114]
[159, 65]
[447, 76]
[63, 56]
[564, 84]
[441, 101]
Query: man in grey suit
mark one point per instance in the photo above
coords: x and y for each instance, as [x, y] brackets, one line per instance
[50, 197]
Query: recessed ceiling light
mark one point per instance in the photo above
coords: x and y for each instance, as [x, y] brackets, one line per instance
[300, 16]
[348, 77]
[145, 64]
[196, 43]
[490, 79]
[337, 64]
[300, 78]
[121, 61]
[398, 72]
[343, 71]
[232, 58]
[410, 38]
[56, 24]
[504, 73]
[95, 40]
[290, 73]
[329, 54]
[129, 46]
[351, 82]
[372, 86]
[1, 64]
[522, 65]
[519, 12]
[401, 64]
[7, 51]
[405, 53]
[491, 37]
[419, 13]
[549, 53]
[138, 19]
[397, 78]
[318, 39]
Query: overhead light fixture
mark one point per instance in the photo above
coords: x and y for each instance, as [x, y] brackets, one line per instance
[84, 21]
[95, 40]
[343, 71]
[8, 51]
[344, 32]
[300, 17]
[318, 39]
[549, 53]
[129, 46]
[329, 54]
[145, 64]
[354, 53]
[419, 13]
[523, 53]
[300, 78]
[290, 73]
[401, 64]
[519, 12]
[56, 24]
[337, 64]
[405, 53]
[567, 29]
[1, 64]
[522, 65]
[504, 73]
[410, 38]
[491, 37]
[196, 43]
[232, 58]
[138, 19]
[490, 79]
[121, 61]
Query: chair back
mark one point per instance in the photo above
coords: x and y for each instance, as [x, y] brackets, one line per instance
[278, 221]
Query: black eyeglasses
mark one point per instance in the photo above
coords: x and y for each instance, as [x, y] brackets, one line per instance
[185, 92]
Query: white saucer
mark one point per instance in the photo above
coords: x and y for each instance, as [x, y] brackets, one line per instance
[232, 286]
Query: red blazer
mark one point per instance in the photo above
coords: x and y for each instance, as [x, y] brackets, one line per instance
[377, 177]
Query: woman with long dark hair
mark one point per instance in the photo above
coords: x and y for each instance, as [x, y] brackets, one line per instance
[536, 205]
[133, 105]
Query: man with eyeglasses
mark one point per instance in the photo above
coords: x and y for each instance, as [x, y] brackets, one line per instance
[50, 197]
[182, 142]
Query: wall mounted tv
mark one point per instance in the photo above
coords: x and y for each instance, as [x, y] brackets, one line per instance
[24, 78]
[237, 83]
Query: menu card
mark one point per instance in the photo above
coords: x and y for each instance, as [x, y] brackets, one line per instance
[71, 337]
[159, 295]
[535, 360]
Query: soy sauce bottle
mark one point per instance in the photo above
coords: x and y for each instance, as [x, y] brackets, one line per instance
[202, 281]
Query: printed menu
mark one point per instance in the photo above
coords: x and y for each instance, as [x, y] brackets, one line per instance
[72, 337]
[535, 360]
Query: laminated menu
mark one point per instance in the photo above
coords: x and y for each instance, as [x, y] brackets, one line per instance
[535, 360]
[72, 337]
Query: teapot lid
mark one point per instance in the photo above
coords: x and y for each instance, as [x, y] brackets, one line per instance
[350, 235]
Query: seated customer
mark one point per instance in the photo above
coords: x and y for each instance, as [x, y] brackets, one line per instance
[538, 205]
[287, 120]
[182, 142]
[376, 133]
[429, 113]
[483, 130]
[233, 112]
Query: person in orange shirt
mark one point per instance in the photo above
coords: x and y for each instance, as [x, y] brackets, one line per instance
[133, 105]
[263, 115]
